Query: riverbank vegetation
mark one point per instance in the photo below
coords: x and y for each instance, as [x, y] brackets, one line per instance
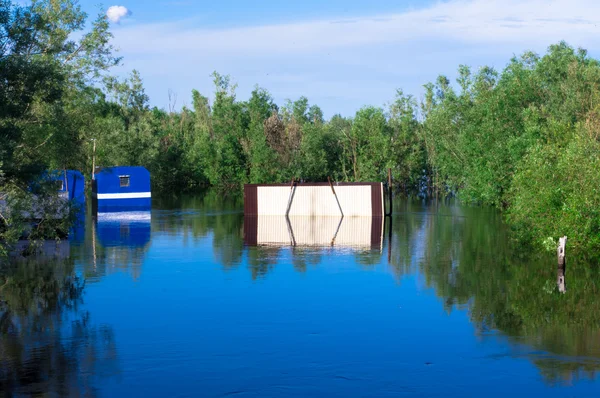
[524, 139]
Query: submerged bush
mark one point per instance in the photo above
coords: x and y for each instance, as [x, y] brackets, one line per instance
[556, 191]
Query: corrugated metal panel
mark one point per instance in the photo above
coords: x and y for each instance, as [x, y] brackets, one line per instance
[273, 200]
[315, 200]
[355, 200]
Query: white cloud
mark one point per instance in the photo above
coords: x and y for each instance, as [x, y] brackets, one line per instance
[117, 13]
[354, 61]
[475, 21]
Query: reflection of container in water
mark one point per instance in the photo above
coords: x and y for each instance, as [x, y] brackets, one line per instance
[121, 188]
[131, 229]
[352, 232]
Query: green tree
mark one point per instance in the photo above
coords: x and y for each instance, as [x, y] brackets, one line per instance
[42, 69]
[367, 144]
[264, 125]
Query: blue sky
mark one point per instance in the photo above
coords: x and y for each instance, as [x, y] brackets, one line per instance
[342, 55]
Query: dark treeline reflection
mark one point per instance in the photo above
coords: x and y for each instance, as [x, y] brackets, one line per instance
[210, 214]
[48, 346]
[203, 215]
[465, 255]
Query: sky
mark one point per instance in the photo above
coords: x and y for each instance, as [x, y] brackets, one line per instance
[340, 54]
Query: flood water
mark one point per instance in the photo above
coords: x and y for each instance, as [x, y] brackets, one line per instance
[176, 304]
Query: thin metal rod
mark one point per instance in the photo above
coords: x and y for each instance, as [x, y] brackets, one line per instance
[291, 198]
[290, 231]
[336, 197]
[337, 230]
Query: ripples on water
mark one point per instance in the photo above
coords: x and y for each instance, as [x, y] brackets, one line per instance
[193, 300]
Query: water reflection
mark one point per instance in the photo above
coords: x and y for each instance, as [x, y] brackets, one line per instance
[350, 232]
[463, 255]
[116, 242]
[48, 346]
[466, 255]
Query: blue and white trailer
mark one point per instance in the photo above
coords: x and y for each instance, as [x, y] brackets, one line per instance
[121, 188]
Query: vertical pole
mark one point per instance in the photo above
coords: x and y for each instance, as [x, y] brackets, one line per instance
[94, 160]
[389, 212]
[94, 241]
[560, 252]
[66, 183]
[390, 241]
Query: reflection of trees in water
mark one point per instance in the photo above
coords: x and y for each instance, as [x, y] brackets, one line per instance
[47, 345]
[303, 258]
[117, 259]
[210, 214]
[466, 255]
[408, 237]
[368, 257]
[261, 260]
[578, 351]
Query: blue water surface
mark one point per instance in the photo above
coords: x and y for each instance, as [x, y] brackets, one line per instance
[182, 308]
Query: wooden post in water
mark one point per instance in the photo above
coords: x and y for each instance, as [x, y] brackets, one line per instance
[560, 251]
[389, 184]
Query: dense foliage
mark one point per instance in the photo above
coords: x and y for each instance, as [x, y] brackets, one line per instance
[524, 139]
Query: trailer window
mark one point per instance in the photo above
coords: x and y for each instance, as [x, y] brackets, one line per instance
[123, 181]
[60, 185]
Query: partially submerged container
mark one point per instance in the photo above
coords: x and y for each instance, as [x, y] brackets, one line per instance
[121, 188]
[314, 214]
[39, 202]
[70, 184]
[347, 199]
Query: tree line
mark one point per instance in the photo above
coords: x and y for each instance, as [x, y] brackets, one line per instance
[524, 139]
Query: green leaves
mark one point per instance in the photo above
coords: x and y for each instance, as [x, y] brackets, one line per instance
[46, 108]
[524, 139]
